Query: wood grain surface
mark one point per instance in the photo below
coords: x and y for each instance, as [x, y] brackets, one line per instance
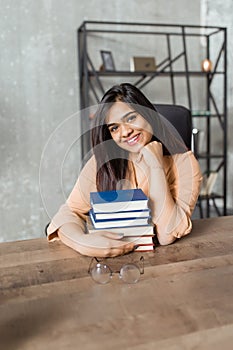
[183, 300]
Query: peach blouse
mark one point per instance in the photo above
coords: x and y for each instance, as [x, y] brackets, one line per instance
[183, 176]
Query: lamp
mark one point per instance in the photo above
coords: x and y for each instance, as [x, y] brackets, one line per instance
[206, 65]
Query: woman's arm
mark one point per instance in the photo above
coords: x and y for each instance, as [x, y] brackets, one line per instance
[70, 229]
[173, 190]
[99, 244]
[69, 223]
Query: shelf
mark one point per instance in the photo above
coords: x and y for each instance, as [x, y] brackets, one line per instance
[212, 196]
[148, 73]
[172, 42]
[210, 156]
[201, 113]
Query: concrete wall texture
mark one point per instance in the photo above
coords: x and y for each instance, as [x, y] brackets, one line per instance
[39, 93]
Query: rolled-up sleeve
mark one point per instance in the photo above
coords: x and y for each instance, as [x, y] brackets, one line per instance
[77, 205]
[185, 179]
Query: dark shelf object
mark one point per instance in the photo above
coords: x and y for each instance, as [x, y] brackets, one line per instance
[92, 83]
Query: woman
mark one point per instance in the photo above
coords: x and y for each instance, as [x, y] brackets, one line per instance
[132, 147]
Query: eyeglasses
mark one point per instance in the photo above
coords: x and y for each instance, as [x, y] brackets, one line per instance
[128, 273]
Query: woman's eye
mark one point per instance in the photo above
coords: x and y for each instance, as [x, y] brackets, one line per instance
[131, 118]
[113, 128]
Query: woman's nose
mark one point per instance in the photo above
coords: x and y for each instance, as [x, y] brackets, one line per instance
[126, 130]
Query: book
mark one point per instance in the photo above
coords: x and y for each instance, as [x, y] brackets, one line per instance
[118, 222]
[201, 113]
[121, 214]
[139, 240]
[208, 183]
[119, 200]
[122, 211]
[144, 230]
[144, 248]
[141, 235]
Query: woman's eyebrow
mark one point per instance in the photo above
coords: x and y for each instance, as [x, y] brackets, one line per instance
[111, 124]
[122, 118]
[126, 115]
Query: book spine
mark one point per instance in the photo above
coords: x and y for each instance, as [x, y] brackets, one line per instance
[139, 240]
[121, 215]
[119, 224]
[144, 248]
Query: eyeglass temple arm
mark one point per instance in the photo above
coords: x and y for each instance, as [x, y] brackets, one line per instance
[142, 263]
[89, 268]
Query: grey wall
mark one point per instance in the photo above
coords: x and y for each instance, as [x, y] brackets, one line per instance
[39, 92]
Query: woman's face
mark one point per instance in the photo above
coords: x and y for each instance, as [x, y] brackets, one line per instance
[128, 128]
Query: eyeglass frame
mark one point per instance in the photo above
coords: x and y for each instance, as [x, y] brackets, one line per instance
[141, 269]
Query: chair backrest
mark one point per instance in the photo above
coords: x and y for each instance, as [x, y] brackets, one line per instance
[180, 117]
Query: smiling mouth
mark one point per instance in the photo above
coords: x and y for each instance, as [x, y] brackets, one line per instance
[133, 140]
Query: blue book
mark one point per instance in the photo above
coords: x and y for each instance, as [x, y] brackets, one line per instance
[105, 224]
[145, 213]
[138, 231]
[119, 200]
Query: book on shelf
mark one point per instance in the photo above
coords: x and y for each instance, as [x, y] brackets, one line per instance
[119, 200]
[208, 183]
[136, 221]
[201, 113]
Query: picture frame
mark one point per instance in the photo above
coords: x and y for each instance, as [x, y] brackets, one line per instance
[143, 64]
[108, 62]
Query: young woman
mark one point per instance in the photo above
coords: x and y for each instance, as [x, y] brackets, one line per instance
[133, 147]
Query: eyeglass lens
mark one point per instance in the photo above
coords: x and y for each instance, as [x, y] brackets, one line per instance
[101, 273]
[130, 273]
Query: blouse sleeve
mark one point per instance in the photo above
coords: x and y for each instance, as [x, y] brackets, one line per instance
[173, 188]
[184, 177]
[78, 203]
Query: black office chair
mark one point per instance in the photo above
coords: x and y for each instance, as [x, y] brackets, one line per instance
[180, 117]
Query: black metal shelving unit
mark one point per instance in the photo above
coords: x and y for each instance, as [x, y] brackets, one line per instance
[92, 83]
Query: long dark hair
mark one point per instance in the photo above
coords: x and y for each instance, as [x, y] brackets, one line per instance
[112, 161]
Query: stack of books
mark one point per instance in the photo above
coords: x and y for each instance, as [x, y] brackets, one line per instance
[123, 211]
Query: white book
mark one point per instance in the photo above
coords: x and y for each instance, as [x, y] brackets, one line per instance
[144, 230]
[139, 240]
[105, 224]
[144, 248]
[121, 214]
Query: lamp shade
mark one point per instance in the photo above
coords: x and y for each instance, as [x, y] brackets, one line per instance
[206, 65]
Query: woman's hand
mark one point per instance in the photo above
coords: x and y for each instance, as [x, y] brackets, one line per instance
[152, 154]
[104, 244]
[99, 244]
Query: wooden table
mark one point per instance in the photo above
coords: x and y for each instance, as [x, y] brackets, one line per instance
[184, 300]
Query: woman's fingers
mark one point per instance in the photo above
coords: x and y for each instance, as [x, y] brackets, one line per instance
[153, 153]
[113, 251]
[104, 244]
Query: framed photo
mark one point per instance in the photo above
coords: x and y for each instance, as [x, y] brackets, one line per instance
[108, 62]
[142, 64]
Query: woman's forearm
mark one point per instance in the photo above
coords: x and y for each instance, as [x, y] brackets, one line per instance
[171, 220]
[171, 194]
[71, 235]
[99, 244]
